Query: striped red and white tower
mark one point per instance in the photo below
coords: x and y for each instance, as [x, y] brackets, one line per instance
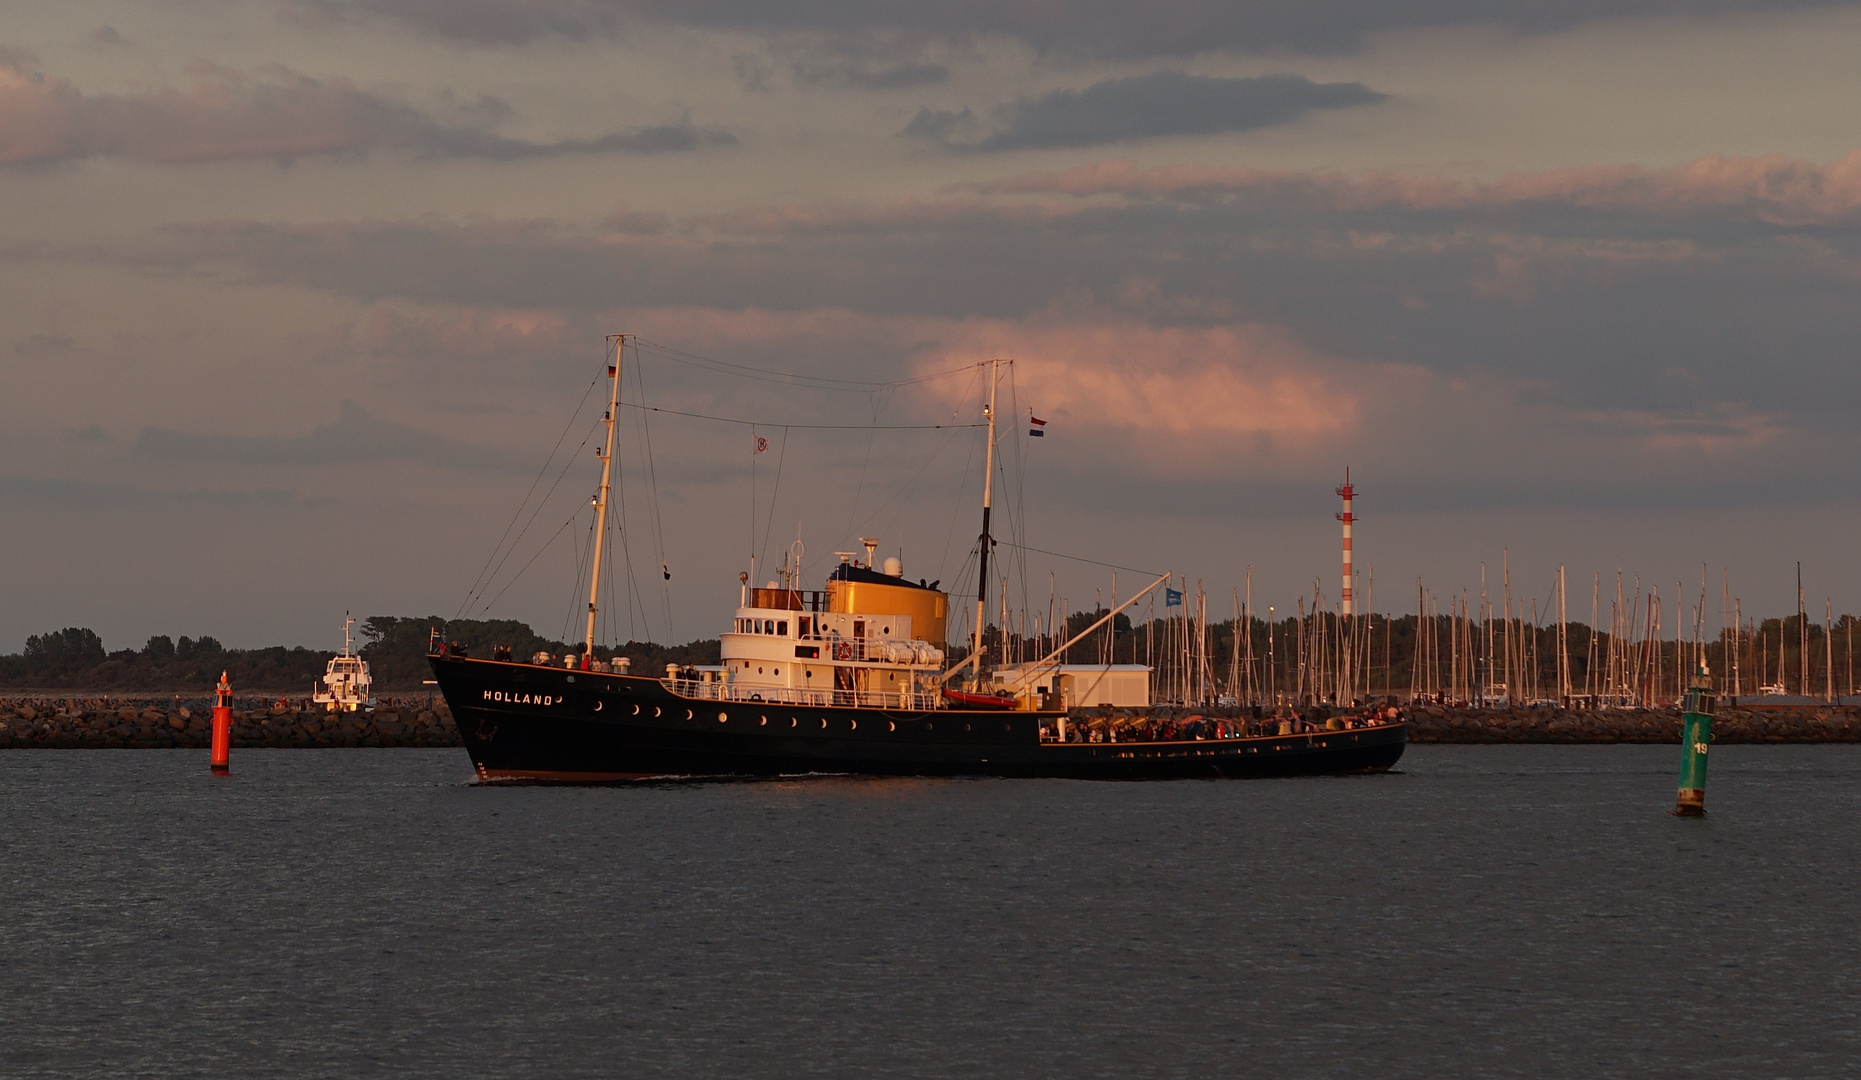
[1347, 493]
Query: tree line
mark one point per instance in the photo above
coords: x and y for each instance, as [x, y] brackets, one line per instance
[395, 647]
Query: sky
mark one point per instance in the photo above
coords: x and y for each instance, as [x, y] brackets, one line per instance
[305, 304]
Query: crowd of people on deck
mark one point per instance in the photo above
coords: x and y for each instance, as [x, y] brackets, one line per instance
[1279, 721]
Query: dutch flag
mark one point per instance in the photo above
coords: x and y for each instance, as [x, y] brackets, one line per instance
[1038, 428]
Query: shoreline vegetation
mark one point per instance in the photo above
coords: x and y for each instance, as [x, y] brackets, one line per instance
[74, 660]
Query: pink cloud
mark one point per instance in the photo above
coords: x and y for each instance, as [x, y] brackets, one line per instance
[1163, 382]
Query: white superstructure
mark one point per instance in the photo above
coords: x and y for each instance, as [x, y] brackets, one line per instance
[346, 683]
[788, 645]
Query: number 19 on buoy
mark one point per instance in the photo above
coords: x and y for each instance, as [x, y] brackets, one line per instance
[1695, 738]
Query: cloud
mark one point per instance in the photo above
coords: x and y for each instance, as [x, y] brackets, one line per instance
[1145, 106]
[277, 113]
[355, 436]
[1093, 27]
[1773, 188]
[1160, 383]
[510, 337]
[866, 77]
[1593, 285]
[41, 493]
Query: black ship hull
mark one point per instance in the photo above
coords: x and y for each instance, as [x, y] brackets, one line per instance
[522, 722]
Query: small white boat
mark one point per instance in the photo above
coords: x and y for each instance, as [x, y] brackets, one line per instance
[347, 686]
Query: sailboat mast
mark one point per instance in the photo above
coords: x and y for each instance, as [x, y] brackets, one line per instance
[988, 497]
[607, 471]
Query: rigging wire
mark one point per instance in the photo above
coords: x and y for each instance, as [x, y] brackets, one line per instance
[544, 501]
[652, 483]
[1078, 558]
[808, 427]
[902, 495]
[481, 581]
[582, 558]
[769, 523]
[626, 554]
[539, 554]
[962, 489]
[878, 407]
[818, 382]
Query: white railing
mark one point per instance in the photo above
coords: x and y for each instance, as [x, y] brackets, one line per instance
[866, 650]
[779, 695]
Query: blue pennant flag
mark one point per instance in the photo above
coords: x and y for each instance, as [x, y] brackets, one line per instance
[1172, 598]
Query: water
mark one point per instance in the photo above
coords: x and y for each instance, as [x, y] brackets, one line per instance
[1489, 911]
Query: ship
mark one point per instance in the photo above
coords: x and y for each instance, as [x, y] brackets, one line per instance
[347, 685]
[848, 679]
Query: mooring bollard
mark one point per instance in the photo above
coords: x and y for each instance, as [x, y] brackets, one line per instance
[1695, 737]
[222, 727]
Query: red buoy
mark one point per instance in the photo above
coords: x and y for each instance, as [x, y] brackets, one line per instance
[222, 727]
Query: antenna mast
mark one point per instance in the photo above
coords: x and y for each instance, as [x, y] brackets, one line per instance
[988, 494]
[1347, 493]
[607, 470]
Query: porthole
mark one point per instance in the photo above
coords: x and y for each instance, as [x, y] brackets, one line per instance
[655, 710]
[928, 725]
[1009, 728]
[965, 727]
[762, 721]
[597, 706]
[721, 717]
[823, 721]
[636, 710]
[792, 721]
[854, 724]
[688, 714]
[890, 726]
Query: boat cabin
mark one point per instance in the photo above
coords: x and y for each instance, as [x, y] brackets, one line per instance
[1078, 686]
[870, 637]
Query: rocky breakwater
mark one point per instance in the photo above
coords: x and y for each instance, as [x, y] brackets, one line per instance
[144, 723]
[1453, 724]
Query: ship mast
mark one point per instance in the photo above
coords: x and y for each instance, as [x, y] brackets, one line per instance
[988, 491]
[607, 470]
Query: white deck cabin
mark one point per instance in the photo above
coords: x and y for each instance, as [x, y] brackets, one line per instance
[823, 657]
[1081, 686]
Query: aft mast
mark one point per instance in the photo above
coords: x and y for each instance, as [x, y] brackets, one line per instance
[607, 470]
[988, 491]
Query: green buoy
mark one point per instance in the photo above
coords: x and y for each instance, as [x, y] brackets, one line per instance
[1695, 737]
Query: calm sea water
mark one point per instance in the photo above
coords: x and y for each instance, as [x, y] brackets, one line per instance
[1486, 911]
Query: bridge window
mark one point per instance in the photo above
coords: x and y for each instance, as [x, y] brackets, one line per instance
[781, 628]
